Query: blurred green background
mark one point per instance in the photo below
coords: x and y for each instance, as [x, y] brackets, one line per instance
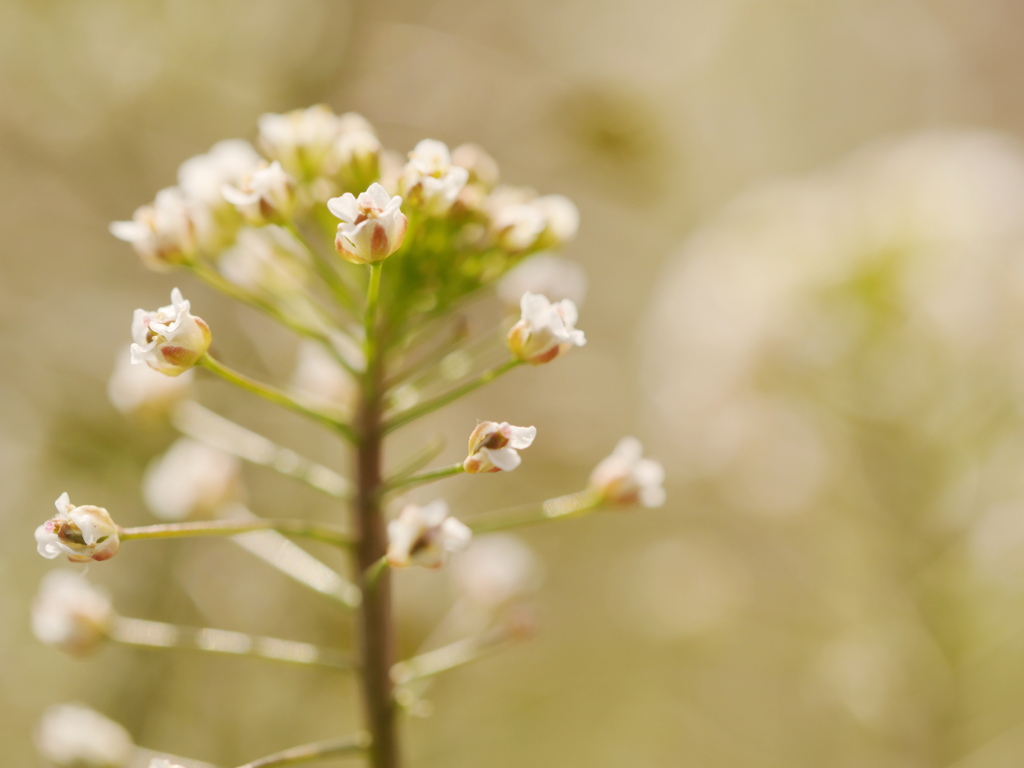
[804, 239]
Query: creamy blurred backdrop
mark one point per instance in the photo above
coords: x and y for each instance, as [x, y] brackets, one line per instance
[803, 223]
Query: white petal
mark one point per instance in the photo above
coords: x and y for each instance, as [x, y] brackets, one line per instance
[522, 437]
[503, 458]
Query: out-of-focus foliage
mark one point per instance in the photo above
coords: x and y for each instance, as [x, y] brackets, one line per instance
[834, 579]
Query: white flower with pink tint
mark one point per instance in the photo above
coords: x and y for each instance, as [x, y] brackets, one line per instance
[163, 233]
[81, 533]
[170, 340]
[267, 194]
[372, 226]
[544, 330]
[429, 180]
[626, 477]
[494, 447]
[425, 536]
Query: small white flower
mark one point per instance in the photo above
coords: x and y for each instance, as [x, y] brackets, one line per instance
[71, 613]
[75, 736]
[170, 340]
[518, 227]
[429, 180]
[299, 139]
[562, 218]
[494, 447]
[138, 390]
[626, 478]
[266, 194]
[82, 533]
[495, 570]
[483, 169]
[372, 225]
[547, 274]
[355, 154]
[203, 177]
[544, 330]
[163, 234]
[191, 480]
[424, 536]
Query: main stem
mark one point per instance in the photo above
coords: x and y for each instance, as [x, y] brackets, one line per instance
[376, 632]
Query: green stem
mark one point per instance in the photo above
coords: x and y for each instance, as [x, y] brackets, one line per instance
[403, 418]
[202, 424]
[298, 528]
[158, 634]
[343, 747]
[327, 273]
[370, 317]
[273, 395]
[420, 459]
[426, 477]
[571, 505]
[449, 656]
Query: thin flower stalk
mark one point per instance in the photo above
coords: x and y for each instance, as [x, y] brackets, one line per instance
[158, 634]
[425, 477]
[354, 745]
[328, 274]
[451, 656]
[566, 507]
[419, 459]
[273, 395]
[297, 528]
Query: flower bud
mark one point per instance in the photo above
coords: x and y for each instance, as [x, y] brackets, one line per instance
[372, 225]
[191, 480]
[82, 533]
[71, 613]
[202, 177]
[483, 169]
[494, 447]
[429, 181]
[163, 234]
[170, 340]
[424, 536]
[626, 478]
[265, 195]
[74, 736]
[544, 330]
[299, 140]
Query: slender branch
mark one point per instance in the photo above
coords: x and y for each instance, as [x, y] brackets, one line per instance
[158, 634]
[327, 273]
[559, 508]
[449, 656]
[370, 316]
[429, 406]
[273, 395]
[420, 459]
[299, 528]
[343, 747]
[202, 424]
[425, 477]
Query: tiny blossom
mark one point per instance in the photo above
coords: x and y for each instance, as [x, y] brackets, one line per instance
[429, 180]
[71, 613]
[82, 533]
[299, 139]
[547, 274]
[544, 330]
[372, 226]
[202, 177]
[561, 215]
[626, 478]
[75, 736]
[483, 169]
[518, 227]
[355, 154]
[138, 390]
[265, 259]
[424, 536]
[494, 447]
[170, 340]
[163, 234]
[495, 570]
[265, 194]
[191, 480]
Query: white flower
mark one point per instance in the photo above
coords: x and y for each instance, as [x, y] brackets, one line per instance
[494, 447]
[71, 613]
[74, 736]
[544, 273]
[518, 227]
[299, 139]
[429, 180]
[203, 177]
[170, 340]
[626, 478]
[495, 570]
[544, 330]
[82, 533]
[355, 153]
[163, 234]
[483, 169]
[424, 536]
[372, 225]
[562, 218]
[265, 194]
[191, 480]
[139, 390]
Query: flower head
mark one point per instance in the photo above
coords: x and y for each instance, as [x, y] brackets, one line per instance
[82, 533]
[74, 736]
[71, 613]
[429, 180]
[626, 478]
[544, 330]
[494, 447]
[163, 233]
[170, 340]
[424, 536]
[266, 194]
[372, 225]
